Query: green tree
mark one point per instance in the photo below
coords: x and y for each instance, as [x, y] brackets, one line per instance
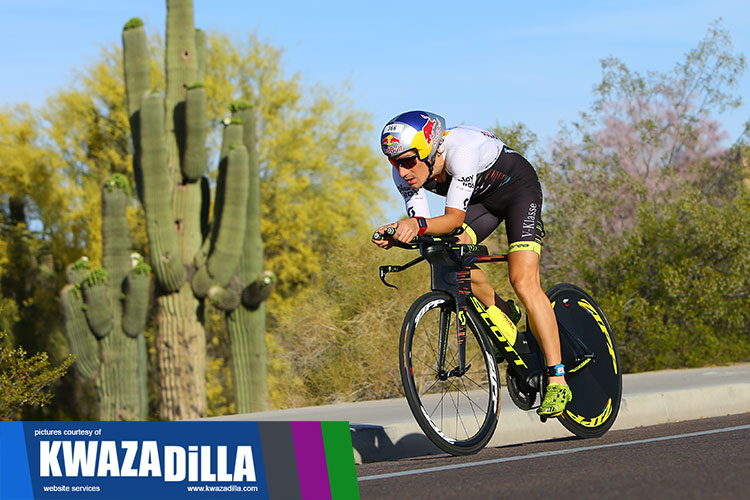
[678, 291]
[32, 207]
[518, 137]
[644, 135]
[35, 224]
[25, 381]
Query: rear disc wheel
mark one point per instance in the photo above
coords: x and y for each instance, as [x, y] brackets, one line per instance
[597, 385]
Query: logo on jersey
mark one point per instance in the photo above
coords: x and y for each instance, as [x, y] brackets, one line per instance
[406, 192]
[467, 181]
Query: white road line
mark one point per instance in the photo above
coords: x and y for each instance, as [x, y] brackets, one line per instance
[551, 453]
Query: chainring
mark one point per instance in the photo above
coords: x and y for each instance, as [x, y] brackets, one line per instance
[523, 400]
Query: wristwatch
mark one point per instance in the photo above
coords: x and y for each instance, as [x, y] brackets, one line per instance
[422, 225]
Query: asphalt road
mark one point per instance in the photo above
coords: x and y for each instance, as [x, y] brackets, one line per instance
[707, 458]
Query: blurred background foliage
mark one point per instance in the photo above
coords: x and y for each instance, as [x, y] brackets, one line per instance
[647, 206]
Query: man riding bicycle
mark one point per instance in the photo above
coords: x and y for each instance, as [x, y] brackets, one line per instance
[484, 182]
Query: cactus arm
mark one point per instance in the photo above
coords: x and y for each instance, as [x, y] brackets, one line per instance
[181, 60]
[136, 64]
[227, 248]
[260, 283]
[195, 159]
[165, 255]
[225, 299]
[96, 295]
[82, 343]
[115, 229]
[253, 245]
[247, 326]
[232, 136]
[181, 71]
[137, 84]
[135, 311]
[259, 290]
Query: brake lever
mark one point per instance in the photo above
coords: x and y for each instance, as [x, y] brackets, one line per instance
[385, 270]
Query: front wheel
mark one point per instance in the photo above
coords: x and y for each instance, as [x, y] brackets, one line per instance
[596, 383]
[457, 411]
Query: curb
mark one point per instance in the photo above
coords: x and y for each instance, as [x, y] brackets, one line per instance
[386, 430]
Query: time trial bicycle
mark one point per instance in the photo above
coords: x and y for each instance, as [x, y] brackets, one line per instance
[452, 382]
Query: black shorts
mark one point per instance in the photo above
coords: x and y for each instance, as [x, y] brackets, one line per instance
[518, 202]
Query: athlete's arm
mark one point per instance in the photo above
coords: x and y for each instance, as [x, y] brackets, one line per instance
[416, 205]
[408, 229]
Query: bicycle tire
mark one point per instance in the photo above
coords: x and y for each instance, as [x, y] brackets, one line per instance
[596, 386]
[458, 414]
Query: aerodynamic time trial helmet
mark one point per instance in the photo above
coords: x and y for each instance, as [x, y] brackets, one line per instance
[420, 131]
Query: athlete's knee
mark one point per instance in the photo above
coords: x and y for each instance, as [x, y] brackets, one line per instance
[525, 283]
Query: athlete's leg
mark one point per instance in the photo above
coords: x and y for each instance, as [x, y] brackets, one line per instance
[482, 224]
[478, 224]
[523, 272]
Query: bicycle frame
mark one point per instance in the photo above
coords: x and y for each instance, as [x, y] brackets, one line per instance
[451, 266]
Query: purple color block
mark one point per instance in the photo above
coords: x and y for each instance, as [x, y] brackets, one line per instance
[311, 461]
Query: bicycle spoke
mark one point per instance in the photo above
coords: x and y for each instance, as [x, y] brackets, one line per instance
[471, 407]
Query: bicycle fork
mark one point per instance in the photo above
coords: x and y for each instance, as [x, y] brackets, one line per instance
[461, 312]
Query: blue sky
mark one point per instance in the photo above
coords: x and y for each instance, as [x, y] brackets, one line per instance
[475, 62]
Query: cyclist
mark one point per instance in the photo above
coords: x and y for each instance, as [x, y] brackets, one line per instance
[484, 182]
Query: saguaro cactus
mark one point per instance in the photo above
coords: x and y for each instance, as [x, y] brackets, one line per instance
[105, 311]
[192, 260]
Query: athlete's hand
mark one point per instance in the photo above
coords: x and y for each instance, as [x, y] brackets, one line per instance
[406, 230]
[384, 241]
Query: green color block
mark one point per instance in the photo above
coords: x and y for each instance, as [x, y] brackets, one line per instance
[342, 474]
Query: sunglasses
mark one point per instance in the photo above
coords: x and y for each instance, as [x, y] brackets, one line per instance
[407, 162]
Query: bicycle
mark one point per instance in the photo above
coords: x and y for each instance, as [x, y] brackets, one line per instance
[453, 388]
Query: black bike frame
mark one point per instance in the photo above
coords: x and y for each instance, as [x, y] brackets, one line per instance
[451, 266]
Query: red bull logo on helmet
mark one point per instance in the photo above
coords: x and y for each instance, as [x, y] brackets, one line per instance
[429, 129]
[391, 145]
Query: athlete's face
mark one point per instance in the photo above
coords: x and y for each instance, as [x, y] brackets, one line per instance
[411, 169]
